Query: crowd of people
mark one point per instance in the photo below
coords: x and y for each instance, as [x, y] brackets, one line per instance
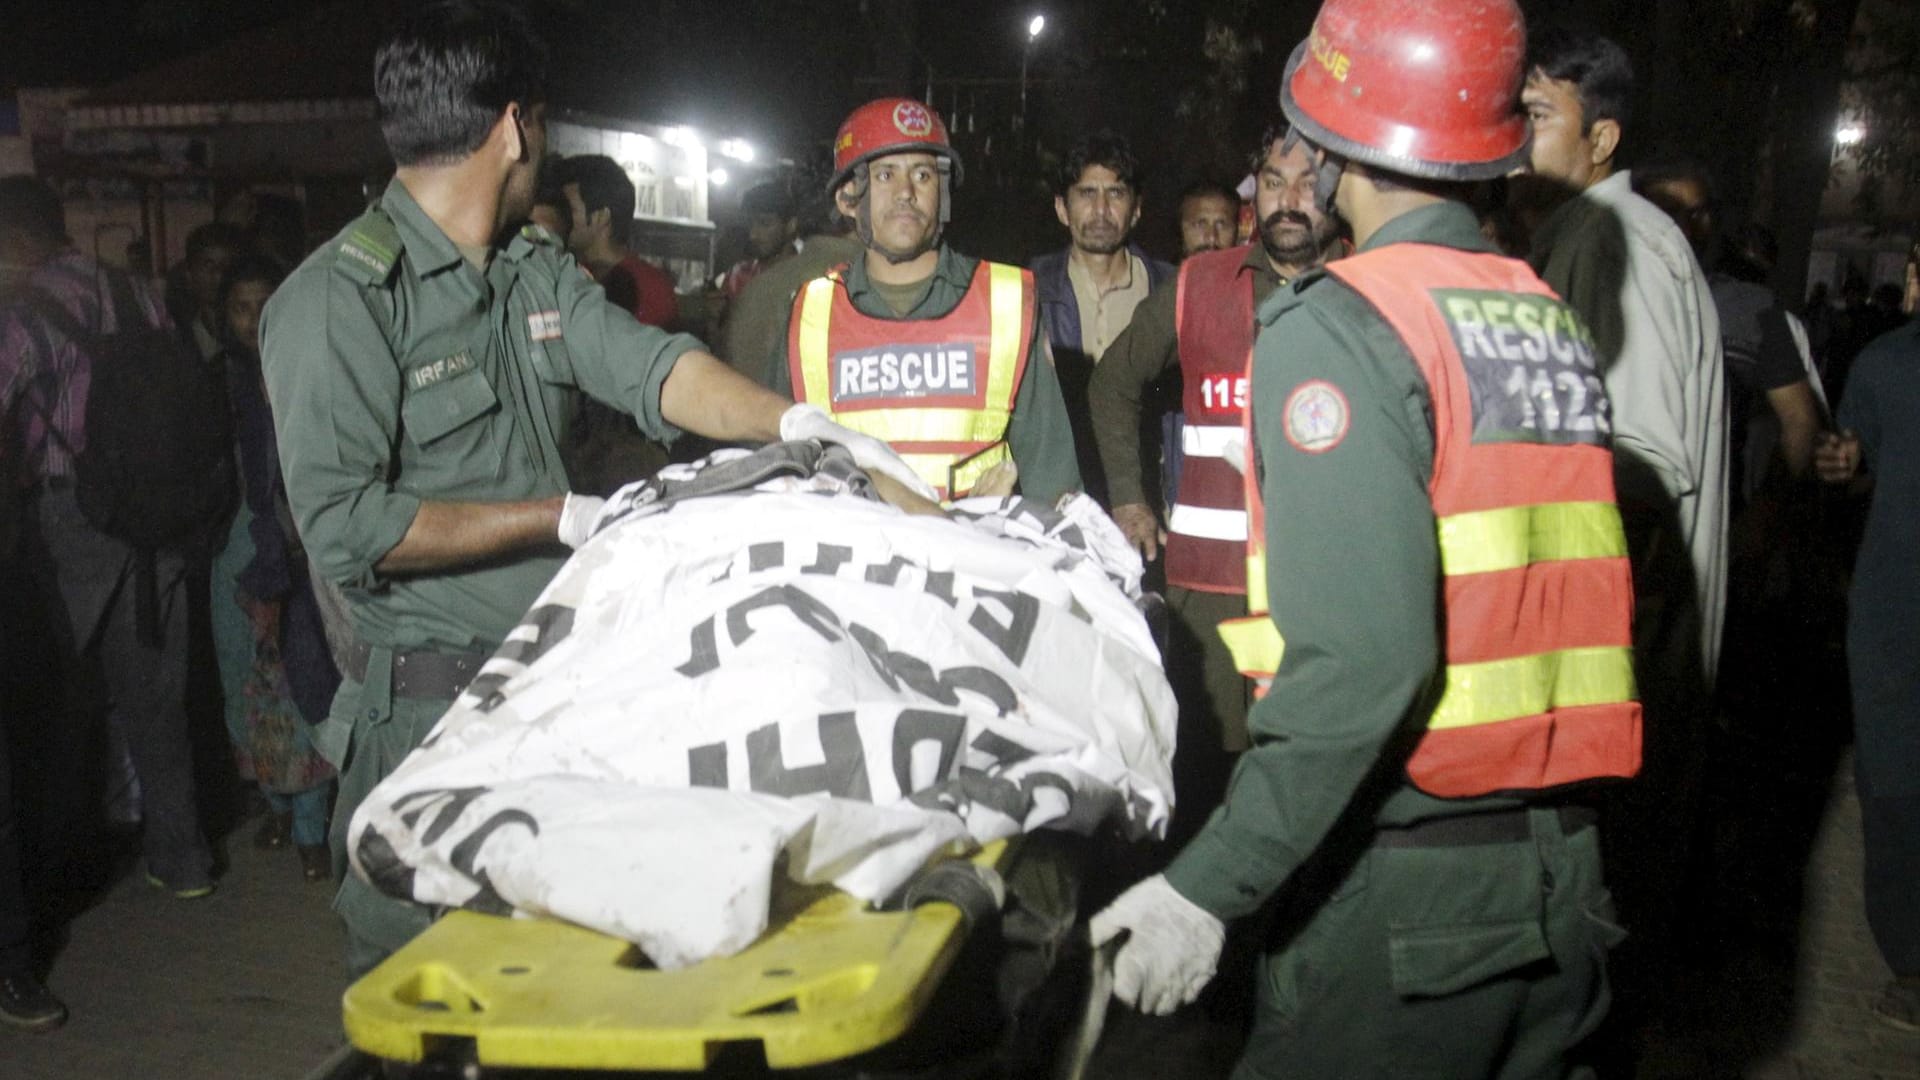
[1462, 455]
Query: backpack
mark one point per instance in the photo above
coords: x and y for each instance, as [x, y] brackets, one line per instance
[158, 470]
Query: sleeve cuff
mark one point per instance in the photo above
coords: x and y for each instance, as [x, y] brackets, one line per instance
[651, 419]
[1222, 880]
[381, 533]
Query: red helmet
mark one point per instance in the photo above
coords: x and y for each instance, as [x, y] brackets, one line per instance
[889, 126]
[1424, 88]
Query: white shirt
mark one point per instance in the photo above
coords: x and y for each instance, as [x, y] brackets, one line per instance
[1627, 269]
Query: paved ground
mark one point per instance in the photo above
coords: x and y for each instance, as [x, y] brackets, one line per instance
[246, 984]
[243, 984]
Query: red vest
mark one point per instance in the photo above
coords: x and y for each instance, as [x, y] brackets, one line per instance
[1537, 596]
[1207, 525]
[939, 391]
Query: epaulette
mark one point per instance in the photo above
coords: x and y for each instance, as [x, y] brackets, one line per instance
[1288, 296]
[369, 248]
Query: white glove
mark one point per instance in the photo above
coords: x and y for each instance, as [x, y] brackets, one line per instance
[1172, 952]
[577, 517]
[808, 422]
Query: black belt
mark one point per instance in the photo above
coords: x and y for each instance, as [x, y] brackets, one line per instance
[1498, 827]
[420, 673]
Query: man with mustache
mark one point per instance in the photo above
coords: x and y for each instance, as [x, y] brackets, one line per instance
[939, 354]
[1089, 290]
[1203, 323]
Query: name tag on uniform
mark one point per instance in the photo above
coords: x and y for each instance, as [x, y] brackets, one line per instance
[543, 325]
[905, 371]
[439, 370]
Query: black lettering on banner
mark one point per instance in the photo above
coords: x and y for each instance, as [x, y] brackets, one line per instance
[828, 559]
[940, 586]
[766, 556]
[917, 726]
[888, 574]
[843, 773]
[704, 647]
[1083, 812]
[1014, 636]
[1531, 368]
[488, 899]
[707, 765]
[812, 614]
[551, 624]
[383, 865]
[1000, 748]
[943, 687]
[446, 803]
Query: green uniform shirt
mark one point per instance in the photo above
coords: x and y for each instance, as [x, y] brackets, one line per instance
[400, 373]
[1039, 435]
[1353, 575]
[1144, 351]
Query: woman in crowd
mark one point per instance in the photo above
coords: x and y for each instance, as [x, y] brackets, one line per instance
[274, 665]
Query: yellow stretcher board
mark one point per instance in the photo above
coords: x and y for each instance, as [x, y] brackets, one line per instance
[830, 979]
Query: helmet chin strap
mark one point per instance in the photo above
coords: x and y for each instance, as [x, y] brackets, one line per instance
[1326, 182]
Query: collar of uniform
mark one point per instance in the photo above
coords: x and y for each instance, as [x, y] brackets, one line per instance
[952, 267]
[1445, 224]
[429, 249]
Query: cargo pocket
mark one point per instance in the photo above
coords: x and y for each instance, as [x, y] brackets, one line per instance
[1431, 962]
[450, 419]
[1464, 917]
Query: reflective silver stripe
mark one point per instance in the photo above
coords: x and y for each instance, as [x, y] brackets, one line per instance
[1209, 441]
[1208, 523]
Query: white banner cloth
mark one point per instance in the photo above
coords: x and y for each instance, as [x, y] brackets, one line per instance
[711, 684]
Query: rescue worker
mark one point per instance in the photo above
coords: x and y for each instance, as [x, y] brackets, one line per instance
[422, 367]
[1451, 583]
[1202, 322]
[937, 353]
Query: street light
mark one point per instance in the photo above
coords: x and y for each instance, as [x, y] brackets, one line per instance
[1034, 27]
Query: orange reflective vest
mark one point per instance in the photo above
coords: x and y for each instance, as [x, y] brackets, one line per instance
[1537, 596]
[1213, 321]
[939, 391]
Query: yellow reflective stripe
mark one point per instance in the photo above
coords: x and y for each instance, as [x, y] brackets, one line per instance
[1005, 305]
[1255, 643]
[1507, 539]
[908, 425]
[1256, 582]
[1495, 690]
[816, 366]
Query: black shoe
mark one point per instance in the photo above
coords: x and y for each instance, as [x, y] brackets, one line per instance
[25, 1003]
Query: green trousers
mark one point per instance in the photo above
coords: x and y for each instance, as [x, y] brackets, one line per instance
[1481, 962]
[366, 736]
[1213, 705]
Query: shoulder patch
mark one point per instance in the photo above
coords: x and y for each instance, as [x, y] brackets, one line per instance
[369, 248]
[1317, 416]
[1288, 296]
